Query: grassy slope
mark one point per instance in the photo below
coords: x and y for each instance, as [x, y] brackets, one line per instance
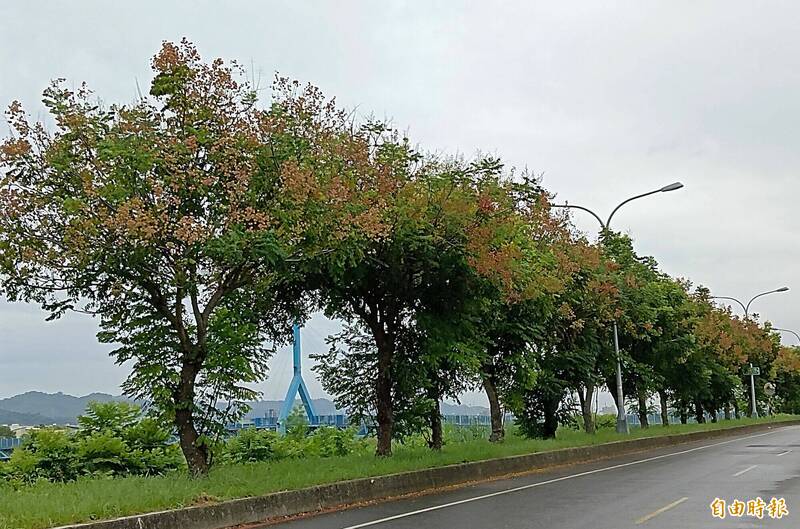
[47, 504]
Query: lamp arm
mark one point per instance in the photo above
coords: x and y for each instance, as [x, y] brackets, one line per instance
[608, 222]
[732, 299]
[572, 206]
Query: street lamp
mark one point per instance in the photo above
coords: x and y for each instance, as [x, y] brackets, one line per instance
[787, 330]
[622, 420]
[746, 308]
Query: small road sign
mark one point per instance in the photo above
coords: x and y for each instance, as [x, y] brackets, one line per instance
[756, 371]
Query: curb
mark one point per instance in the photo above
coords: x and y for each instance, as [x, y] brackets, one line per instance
[321, 497]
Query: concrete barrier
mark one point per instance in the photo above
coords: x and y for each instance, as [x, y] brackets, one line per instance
[343, 493]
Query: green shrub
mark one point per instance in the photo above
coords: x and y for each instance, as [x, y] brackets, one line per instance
[328, 442]
[250, 445]
[297, 423]
[606, 420]
[114, 417]
[103, 453]
[453, 433]
[147, 434]
[113, 439]
[47, 453]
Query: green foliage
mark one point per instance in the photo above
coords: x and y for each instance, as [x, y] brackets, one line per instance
[331, 442]
[47, 453]
[103, 453]
[465, 434]
[6, 431]
[187, 221]
[606, 421]
[251, 445]
[297, 422]
[349, 372]
[113, 439]
[113, 417]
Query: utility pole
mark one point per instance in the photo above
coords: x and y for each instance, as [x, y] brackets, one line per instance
[754, 410]
[754, 414]
[622, 419]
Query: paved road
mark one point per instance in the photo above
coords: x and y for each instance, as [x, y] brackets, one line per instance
[669, 488]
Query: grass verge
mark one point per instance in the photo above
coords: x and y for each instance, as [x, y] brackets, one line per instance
[47, 504]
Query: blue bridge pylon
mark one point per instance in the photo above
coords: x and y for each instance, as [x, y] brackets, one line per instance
[297, 385]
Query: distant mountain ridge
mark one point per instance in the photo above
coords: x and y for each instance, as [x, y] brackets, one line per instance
[36, 407]
[28, 419]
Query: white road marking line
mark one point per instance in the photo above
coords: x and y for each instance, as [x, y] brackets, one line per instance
[783, 453]
[653, 514]
[748, 469]
[549, 481]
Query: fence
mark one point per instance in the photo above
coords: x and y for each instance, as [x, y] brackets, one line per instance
[7, 445]
[341, 421]
[655, 418]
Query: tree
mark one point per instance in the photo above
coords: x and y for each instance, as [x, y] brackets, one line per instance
[786, 374]
[508, 365]
[509, 322]
[184, 221]
[349, 372]
[450, 223]
[674, 344]
[726, 344]
[580, 348]
[6, 431]
[557, 347]
[639, 283]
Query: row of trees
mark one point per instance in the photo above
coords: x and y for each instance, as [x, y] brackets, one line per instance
[198, 226]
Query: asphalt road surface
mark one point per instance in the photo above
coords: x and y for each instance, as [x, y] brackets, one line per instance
[668, 488]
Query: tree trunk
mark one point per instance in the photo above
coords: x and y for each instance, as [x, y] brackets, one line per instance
[698, 412]
[196, 454]
[495, 411]
[383, 393]
[643, 421]
[550, 418]
[727, 411]
[736, 411]
[662, 395]
[586, 408]
[436, 427]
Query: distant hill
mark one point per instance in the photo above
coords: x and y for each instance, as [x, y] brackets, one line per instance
[35, 407]
[29, 419]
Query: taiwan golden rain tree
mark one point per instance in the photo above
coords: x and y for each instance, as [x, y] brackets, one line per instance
[185, 221]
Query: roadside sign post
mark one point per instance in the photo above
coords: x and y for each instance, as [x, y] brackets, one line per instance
[753, 371]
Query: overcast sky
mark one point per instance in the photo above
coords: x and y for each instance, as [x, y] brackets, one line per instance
[607, 101]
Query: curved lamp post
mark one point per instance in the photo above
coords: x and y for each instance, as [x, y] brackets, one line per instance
[746, 308]
[787, 330]
[622, 421]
